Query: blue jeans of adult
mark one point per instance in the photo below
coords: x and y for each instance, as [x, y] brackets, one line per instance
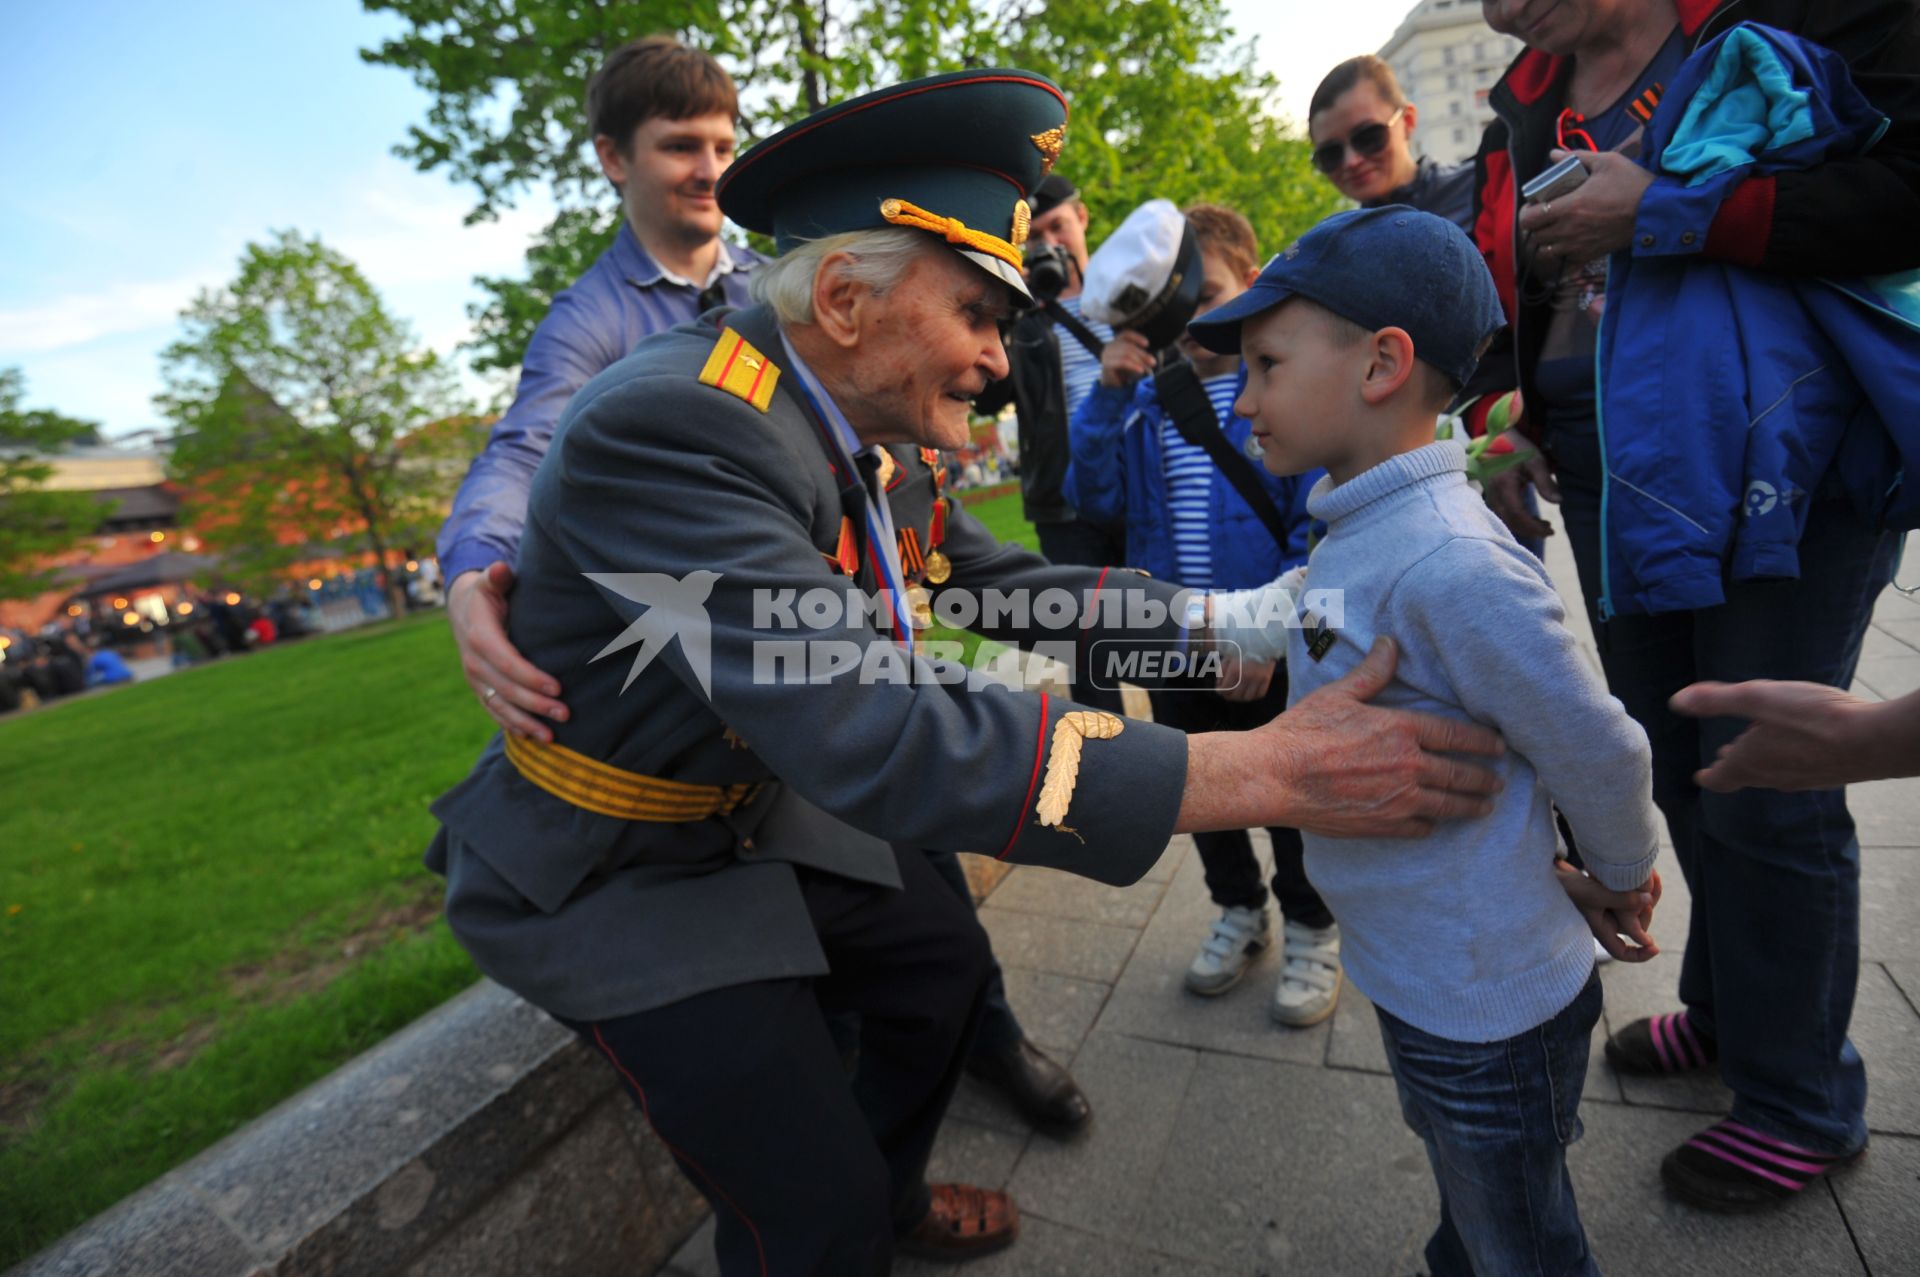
[1773, 949]
[1496, 1118]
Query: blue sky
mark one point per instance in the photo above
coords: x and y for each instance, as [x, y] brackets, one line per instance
[148, 143]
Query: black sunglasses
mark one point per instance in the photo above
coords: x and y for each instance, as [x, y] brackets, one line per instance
[1368, 140]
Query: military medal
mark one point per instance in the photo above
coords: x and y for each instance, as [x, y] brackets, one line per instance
[939, 566]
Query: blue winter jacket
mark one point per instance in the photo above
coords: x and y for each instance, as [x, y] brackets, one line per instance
[1118, 473]
[1728, 395]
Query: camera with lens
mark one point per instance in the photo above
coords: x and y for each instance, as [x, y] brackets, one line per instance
[1047, 271]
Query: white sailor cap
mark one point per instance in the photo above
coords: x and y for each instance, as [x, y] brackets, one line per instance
[1147, 275]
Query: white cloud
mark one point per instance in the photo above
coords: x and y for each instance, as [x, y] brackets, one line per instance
[93, 351]
[80, 318]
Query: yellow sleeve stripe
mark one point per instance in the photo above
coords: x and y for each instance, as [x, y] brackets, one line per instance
[740, 370]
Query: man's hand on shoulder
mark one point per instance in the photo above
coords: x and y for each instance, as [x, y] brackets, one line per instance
[517, 694]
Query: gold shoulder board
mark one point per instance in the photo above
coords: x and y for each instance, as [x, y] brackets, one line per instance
[737, 368]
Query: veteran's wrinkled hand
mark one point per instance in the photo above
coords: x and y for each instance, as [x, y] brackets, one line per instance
[1335, 765]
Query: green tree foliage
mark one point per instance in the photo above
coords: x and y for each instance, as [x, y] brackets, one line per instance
[308, 416]
[37, 523]
[1165, 103]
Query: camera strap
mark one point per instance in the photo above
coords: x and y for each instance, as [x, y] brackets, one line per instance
[1066, 319]
[1179, 391]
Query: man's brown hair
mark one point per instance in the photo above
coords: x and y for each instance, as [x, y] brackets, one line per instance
[1350, 73]
[655, 76]
[1226, 234]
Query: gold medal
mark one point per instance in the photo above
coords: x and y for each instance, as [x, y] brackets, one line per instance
[939, 567]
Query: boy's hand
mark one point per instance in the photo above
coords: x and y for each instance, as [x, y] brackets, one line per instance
[1242, 680]
[1125, 360]
[1614, 917]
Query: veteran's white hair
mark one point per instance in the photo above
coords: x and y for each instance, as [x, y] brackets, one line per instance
[876, 258]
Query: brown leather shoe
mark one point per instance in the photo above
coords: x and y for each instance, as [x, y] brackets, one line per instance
[962, 1222]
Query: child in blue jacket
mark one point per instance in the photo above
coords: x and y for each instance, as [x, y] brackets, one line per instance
[1186, 523]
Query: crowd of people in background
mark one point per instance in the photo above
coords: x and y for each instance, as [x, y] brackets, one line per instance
[80, 651]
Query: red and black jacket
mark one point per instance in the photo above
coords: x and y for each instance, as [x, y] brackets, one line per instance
[1858, 216]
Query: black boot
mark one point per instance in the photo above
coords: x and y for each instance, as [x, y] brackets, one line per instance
[1044, 1092]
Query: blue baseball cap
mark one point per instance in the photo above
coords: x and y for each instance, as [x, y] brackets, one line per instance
[1390, 267]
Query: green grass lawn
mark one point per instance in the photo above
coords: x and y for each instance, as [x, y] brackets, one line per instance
[211, 895]
[1003, 518]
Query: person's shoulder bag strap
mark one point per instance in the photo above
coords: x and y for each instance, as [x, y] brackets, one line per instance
[1179, 390]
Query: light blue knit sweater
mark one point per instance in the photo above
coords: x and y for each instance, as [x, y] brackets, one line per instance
[1466, 933]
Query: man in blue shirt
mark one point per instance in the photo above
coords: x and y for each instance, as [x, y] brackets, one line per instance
[662, 117]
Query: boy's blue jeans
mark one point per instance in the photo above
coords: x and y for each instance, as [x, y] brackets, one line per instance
[1496, 1118]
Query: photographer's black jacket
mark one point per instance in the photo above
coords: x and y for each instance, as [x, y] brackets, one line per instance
[1037, 389]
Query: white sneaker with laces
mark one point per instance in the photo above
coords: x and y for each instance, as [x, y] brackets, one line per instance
[1237, 935]
[1310, 981]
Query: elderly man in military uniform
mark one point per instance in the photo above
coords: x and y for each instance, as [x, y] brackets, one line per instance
[715, 852]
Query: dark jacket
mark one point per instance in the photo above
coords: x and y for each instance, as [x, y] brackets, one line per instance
[1035, 386]
[1443, 190]
[1851, 216]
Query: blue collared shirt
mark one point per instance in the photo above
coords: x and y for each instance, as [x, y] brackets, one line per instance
[621, 299]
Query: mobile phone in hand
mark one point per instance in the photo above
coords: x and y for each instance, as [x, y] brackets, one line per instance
[1557, 181]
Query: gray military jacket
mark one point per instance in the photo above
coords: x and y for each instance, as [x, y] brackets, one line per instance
[653, 472]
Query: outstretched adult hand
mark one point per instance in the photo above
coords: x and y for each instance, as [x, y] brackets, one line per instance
[511, 688]
[1804, 735]
[1335, 765]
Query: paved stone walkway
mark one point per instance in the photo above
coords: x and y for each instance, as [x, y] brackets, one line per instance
[1222, 1144]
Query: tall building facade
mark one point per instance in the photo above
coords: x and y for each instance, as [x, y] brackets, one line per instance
[1447, 59]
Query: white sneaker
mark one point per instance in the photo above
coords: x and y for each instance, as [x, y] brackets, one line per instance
[1310, 982]
[1237, 935]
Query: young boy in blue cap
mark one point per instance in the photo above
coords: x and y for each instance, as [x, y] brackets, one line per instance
[1475, 957]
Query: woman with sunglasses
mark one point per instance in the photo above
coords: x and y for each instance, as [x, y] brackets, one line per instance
[1767, 983]
[1360, 124]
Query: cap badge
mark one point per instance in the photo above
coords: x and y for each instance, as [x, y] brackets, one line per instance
[1022, 221]
[1050, 143]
